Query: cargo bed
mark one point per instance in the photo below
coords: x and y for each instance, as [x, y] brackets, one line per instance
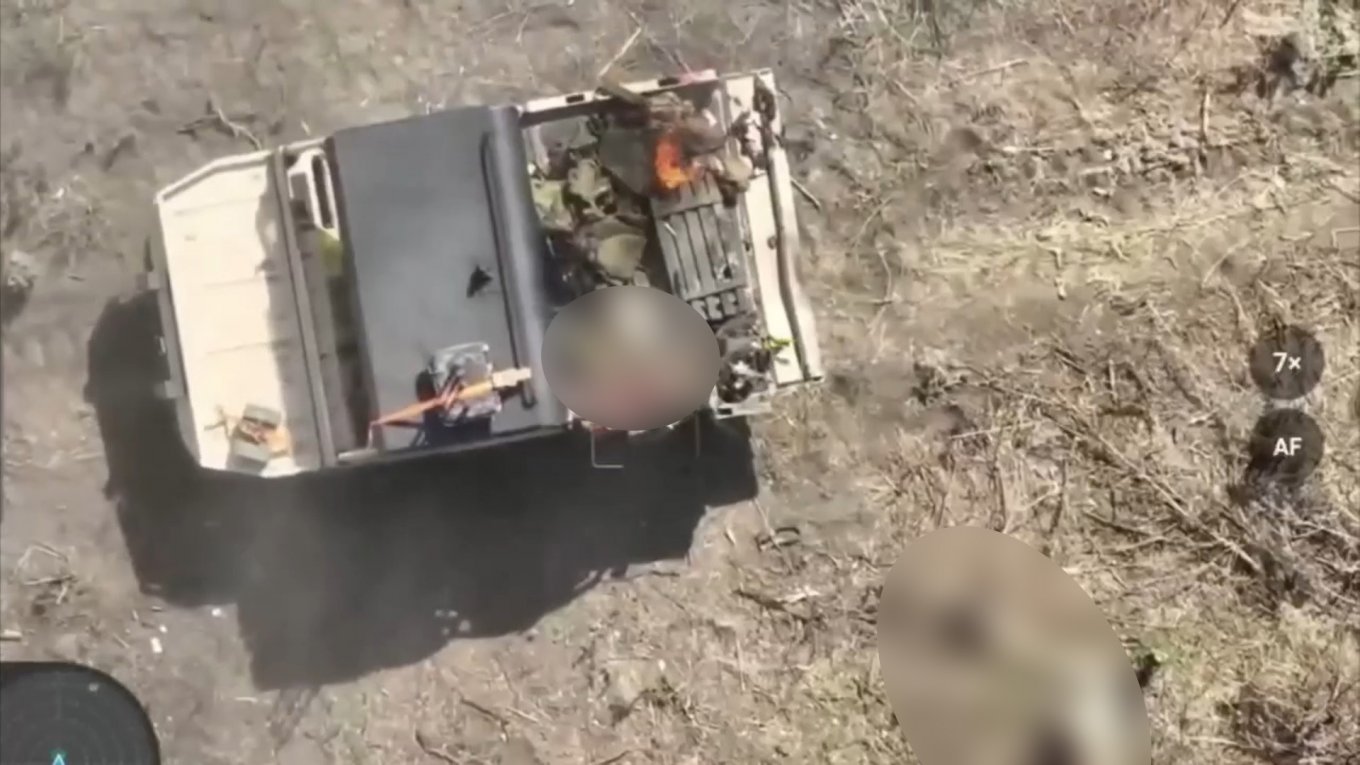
[232, 318]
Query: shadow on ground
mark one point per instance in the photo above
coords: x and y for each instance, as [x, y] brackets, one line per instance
[339, 574]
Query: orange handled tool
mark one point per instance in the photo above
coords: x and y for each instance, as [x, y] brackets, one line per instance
[500, 380]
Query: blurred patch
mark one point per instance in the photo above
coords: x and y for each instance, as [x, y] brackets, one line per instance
[993, 656]
[630, 358]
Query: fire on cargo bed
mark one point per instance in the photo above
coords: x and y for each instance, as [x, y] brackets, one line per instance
[646, 194]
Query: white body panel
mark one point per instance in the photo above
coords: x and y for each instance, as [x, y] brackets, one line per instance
[237, 319]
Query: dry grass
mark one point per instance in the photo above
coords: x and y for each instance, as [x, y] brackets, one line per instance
[1073, 225]
[1047, 233]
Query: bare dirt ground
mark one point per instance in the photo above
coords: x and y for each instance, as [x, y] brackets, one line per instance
[1042, 237]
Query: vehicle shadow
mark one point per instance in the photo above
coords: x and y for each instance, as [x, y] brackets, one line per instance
[339, 574]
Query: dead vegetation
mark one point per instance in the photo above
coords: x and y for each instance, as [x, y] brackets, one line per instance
[1063, 232]
[1043, 241]
[1043, 237]
[1075, 225]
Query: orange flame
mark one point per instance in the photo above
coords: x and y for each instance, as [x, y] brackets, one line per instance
[673, 169]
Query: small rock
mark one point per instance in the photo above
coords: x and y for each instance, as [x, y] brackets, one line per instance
[628, 681]
[21, 271]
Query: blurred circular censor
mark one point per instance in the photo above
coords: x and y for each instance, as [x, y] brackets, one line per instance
[992, 655]
[630, 358]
